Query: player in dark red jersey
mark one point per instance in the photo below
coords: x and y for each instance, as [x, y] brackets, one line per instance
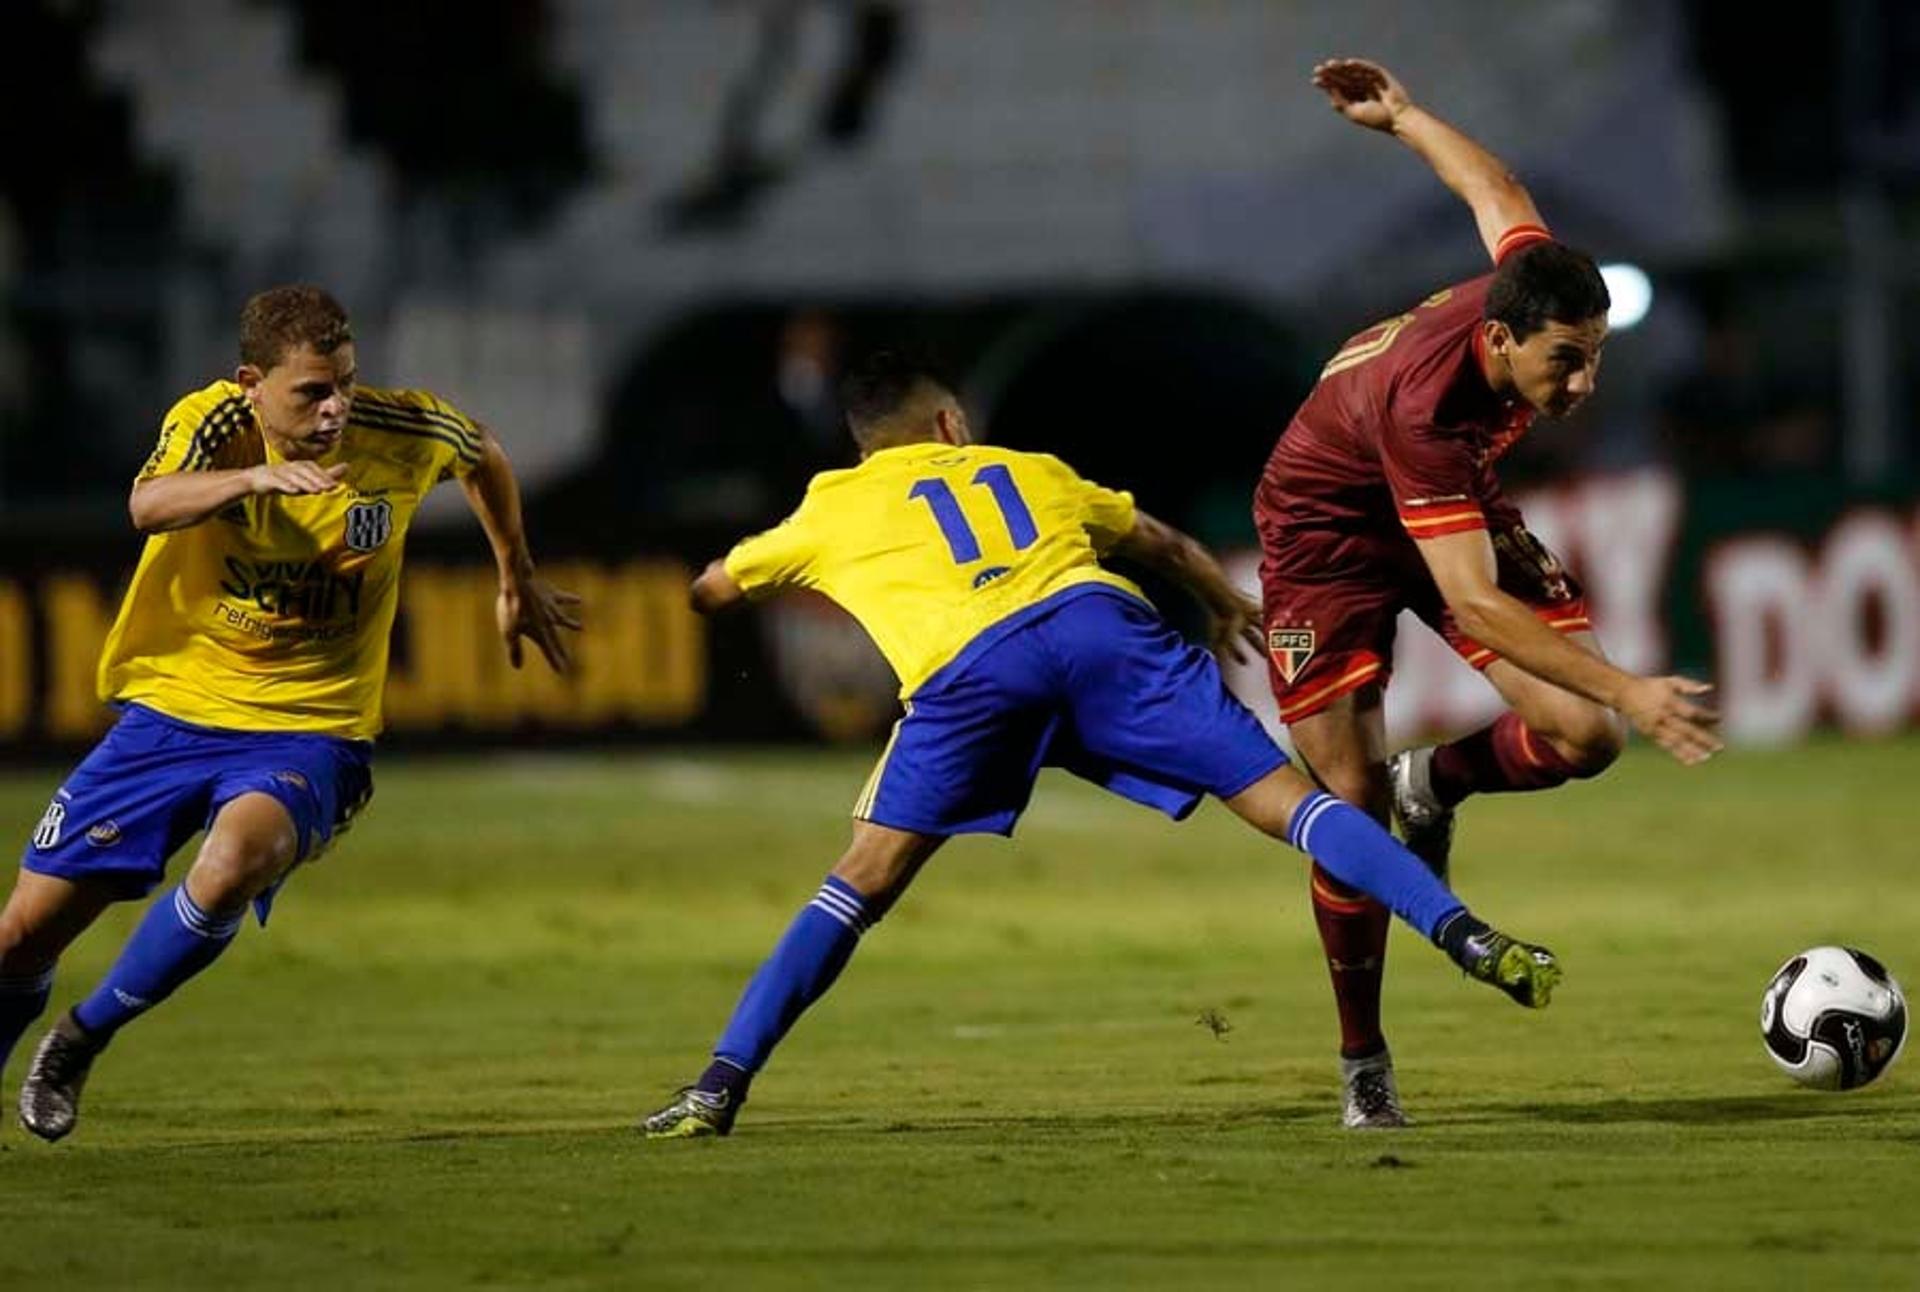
[1381, 496]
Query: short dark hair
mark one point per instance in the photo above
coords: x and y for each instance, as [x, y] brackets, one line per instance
[1548, 282]
[880, 386]
[285, 318]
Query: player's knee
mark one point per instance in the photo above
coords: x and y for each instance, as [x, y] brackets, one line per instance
[880, 864]
[229, 872]
[877, 875]
[1590, 739]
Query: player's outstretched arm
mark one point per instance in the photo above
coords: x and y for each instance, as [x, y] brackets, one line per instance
[183, 498]
[1160, 547]
[1663, 709]
[528, 606]
[1368, 95]
[715, 590]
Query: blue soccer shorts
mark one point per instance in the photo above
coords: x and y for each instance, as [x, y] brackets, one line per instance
[1091, 680]
[154, 781]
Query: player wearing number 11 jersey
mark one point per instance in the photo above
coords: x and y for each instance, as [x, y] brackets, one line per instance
[976, 571]
[1381, 496]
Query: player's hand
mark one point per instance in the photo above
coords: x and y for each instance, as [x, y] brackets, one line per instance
[1362, 92]
[1663, 710]
[1236, 628]
[295, 477]
[529, 606]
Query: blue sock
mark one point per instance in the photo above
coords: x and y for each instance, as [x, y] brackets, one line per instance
[175, 941]
[809, 957]
[1353, 848]
[725, 1077]
[22, 1000]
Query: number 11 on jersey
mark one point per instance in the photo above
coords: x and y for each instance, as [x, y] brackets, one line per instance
[961, 540]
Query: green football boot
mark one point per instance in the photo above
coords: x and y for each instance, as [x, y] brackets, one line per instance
[693, 1114]
[1523, 971]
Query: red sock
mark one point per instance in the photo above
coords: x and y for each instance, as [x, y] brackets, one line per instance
[1504, 756]
[1353, 931]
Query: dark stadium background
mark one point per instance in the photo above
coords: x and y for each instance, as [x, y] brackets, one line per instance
[640, 239]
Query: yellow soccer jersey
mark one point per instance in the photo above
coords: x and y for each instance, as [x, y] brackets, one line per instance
[929, 545]
[274, 615]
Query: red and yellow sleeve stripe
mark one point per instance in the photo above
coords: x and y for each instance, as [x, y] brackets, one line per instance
[1520, 235]
[1570, 617]
[1439, 519]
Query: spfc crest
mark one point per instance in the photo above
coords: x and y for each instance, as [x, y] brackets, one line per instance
[1291, 648]
[369, 524]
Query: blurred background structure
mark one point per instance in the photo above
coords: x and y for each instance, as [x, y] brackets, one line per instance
[640, 238]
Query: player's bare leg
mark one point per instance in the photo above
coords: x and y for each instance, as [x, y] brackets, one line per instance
[1358, 850]
[1345, 746]
[881, 862]
[1353, 847]
[252, 843]
[1548, 737]
[877, 867]
[1584, 736]
[42, 917]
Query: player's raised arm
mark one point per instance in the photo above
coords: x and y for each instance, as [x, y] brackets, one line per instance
[1663, 709]
[1368, 95]
[1160, 547]
[714, 590]
[528, 606]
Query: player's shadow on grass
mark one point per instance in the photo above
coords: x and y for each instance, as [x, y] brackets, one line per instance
[1704, 1110]
[1080, 1122]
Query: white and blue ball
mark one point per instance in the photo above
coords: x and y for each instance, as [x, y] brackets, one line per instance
[1833, 1018]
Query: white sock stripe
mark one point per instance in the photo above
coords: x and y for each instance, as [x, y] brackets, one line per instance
[1316, 807]
[1308, 818]
[851, 905]
[852, 921]
[190, 915]
[1313, 819]
[845, 919]
[198, 921]
[1300, 815]
[839, 898]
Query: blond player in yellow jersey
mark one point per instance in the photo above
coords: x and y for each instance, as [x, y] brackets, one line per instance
[247, 663]
[977, 572]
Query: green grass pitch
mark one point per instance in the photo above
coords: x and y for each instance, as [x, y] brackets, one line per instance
[426, 1072]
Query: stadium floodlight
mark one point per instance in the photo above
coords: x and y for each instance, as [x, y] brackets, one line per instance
[1632, 293]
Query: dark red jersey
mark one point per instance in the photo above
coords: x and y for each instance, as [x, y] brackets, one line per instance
[1397, 441]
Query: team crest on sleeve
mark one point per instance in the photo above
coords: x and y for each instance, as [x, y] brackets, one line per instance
[47, 833]
[1291, 648]
[369, 524]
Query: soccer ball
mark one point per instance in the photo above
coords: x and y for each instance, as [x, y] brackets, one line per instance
[1833, 1018]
